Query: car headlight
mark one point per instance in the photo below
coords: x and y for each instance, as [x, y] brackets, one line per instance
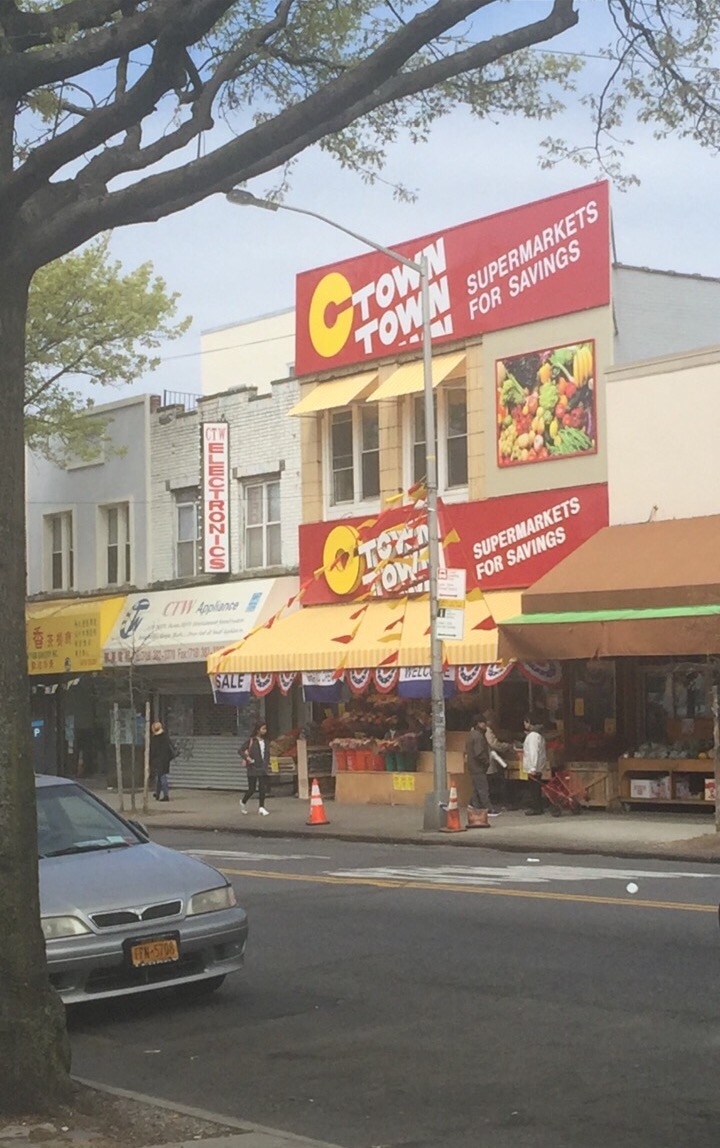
[56, 927]
[212, 900]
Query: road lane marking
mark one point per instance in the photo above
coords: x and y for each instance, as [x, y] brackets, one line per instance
[236, 855]
[478, 890]
[514, 874]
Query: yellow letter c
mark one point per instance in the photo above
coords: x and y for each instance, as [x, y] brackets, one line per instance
[328, 339]
[342, 564]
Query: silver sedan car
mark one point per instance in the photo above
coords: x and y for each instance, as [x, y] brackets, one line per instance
[122, 915]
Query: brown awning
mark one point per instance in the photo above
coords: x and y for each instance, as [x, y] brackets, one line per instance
[645, 565]
[638, 633]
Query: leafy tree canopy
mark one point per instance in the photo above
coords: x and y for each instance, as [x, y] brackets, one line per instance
[87, 320]
[98, 99]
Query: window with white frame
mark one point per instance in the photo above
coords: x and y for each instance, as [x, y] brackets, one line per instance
[451, 437]
[263, 542]
[118, 549]
[354, 455]
[186, 534]
[455, 437]
[60, 551]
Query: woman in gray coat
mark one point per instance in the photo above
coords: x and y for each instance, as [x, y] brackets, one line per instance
[257, 759]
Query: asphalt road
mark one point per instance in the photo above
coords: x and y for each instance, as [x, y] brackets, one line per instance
[401, 997]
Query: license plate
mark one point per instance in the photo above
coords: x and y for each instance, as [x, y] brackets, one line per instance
[154, 953]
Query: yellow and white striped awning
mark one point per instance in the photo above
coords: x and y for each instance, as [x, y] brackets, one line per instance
[327, 637]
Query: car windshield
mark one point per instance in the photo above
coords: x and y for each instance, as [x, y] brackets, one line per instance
[70, 820]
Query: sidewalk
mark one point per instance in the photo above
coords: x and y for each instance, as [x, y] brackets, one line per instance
[200, 1129]
[681, 837]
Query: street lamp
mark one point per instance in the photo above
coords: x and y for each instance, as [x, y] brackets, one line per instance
[432, 817]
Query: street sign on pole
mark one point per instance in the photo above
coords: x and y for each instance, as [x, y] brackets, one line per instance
[452, 583]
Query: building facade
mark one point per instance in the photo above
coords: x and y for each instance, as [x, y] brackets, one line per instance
[529, 321]
[178, 537]
[88, 525]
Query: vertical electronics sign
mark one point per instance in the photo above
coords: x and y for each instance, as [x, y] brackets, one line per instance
[216, 498]
[535, 262]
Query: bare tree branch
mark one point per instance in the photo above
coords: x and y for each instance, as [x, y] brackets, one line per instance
[22, 71]
[371, 83]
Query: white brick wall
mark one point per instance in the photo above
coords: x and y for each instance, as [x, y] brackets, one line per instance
[264, 440]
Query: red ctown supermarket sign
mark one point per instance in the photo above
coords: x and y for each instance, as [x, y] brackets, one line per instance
[503, 543]
[534, 262]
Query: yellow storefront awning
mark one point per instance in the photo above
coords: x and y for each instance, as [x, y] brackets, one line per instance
[335, 393]
[328, 637]
[409, 378]
[67, 636]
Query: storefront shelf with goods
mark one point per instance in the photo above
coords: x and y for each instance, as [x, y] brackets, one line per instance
[666, 781]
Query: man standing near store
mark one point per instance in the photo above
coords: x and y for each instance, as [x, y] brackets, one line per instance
[477, 754]
[534, 763]
[497, 780]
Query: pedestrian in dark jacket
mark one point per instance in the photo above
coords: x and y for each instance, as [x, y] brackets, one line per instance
[497, 779]
[477, 752]
[257, 758]
[161, 754]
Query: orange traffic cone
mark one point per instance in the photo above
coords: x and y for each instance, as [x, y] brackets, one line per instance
[453, 823]
[317, 809]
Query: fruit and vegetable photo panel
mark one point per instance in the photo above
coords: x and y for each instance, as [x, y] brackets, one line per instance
[546, 404]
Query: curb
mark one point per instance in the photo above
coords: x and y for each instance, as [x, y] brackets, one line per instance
[244, 1127]
[589, 850]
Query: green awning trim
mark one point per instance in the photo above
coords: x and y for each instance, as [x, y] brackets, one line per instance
[612, 615]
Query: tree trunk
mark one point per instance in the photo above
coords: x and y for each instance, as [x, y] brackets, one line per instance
[34, 1049]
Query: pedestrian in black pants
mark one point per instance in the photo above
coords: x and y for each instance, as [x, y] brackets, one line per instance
[162, 753]
[534, 763]
[257, 759]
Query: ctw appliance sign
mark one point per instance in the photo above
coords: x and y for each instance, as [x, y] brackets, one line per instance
[216, 497]
[503, 543]
[538, 261]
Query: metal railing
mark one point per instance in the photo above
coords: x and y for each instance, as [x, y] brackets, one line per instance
[180, 399]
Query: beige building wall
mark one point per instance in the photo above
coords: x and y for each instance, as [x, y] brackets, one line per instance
[486, 479]
[252, 354]
[663, 423]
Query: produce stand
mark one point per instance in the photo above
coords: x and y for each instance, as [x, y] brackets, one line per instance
[383, 786]
[666, 781]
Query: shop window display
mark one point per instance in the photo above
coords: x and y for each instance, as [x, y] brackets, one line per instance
[672, 759]
[676, 707]
[593, 719]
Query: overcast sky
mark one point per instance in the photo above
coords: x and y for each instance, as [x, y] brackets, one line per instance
[231, 264]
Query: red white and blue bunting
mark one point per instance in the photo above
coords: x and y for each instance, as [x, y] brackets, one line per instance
[468, 677]
[386, 679]
[542, 673]
[497, 672]
[358, 680]
[285, 682]
[262, 684]
[413, 681]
